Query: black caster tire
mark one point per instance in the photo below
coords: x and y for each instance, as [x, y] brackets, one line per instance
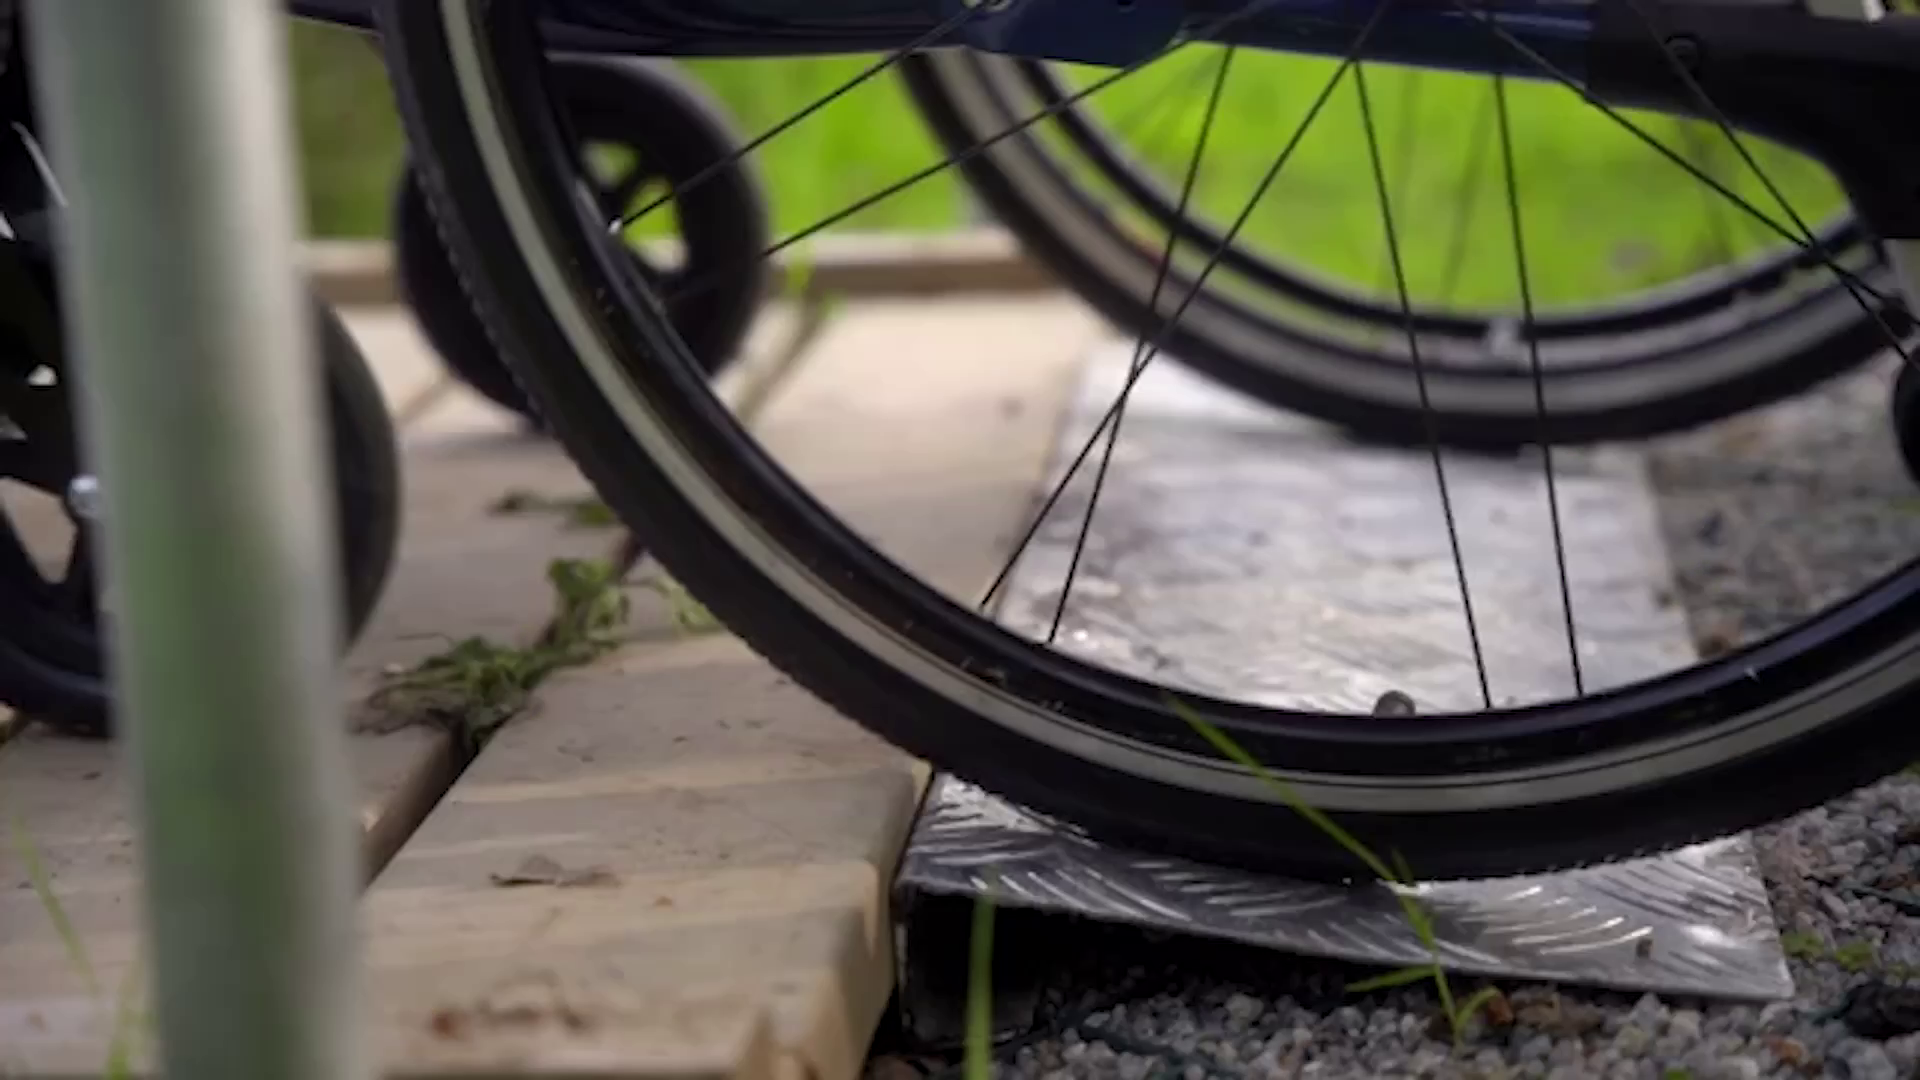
[1906, 418]
[53, 670]
[676, 132]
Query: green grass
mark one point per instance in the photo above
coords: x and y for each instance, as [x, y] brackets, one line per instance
[350, 142]
[1602, 212]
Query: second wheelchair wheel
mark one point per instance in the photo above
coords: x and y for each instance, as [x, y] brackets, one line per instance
[52, 647]
[1670, 323]
[646, 131]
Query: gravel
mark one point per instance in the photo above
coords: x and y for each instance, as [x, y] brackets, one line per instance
[1749, 558]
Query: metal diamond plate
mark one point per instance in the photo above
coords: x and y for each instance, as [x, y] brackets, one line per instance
[1254, 554]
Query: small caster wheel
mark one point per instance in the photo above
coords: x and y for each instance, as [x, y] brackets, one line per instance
[1906, 418]
[51, 647]
[645, 130]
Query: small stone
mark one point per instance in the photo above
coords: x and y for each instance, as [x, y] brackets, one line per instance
[1412, 1028]
[1536, 1048]
[1848, 855]
[1498, 1011]
[1865, 1060]
[1671, 1046]
[1684, 1024]
[1348, 1019]
[1904, 1052]
[1776, 1017]
[1788, 1051]
[1632, 1041]
[1579, 1018]
[1735, 1068]
[1243, 1010]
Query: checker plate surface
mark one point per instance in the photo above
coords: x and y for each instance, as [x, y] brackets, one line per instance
[1254, 554]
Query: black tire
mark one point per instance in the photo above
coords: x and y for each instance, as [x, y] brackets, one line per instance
[367, 477]
[1724, 746]
[723, 220]
[1906, 418]
[1657, 387]
[430, 289]
[58, 674]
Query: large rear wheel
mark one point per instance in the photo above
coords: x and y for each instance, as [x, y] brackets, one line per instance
[1746, 738]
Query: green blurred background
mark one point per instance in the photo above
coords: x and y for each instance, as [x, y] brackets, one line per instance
[1604, 215]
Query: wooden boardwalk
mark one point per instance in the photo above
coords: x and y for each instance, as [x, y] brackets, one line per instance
[673, 862]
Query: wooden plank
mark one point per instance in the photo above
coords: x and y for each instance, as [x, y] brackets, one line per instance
[706, 847]
[462, 570]
[403, 363]
[862, 266]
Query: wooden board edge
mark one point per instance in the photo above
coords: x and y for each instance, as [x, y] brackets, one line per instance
[873, 266]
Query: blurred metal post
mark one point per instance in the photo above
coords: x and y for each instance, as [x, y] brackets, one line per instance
[201, 408]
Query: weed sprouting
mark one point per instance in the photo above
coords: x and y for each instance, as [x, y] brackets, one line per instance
[1457, 1013]
[127, 1017]
[476, 685]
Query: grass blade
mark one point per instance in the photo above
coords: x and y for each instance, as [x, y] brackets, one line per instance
[128, 1025]
[1391, 979]
[1474, 1003]
[1314, 815]
[979, 1045]
[42, 884]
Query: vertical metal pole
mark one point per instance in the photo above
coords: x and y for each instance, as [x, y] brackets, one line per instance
[201, 411]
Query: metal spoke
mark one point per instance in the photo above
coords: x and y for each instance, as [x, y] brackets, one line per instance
[978, 148]
[1157, 109]
[622, 191]
[1810, 241]
[1466, 202]
[1539, 377]
[1193, 292]
[1420, 377]
[1815, 249]
[1140, 346]
[1405, 132]
[884, 63]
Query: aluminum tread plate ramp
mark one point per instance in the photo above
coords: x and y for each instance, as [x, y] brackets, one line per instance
[1258, 555]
